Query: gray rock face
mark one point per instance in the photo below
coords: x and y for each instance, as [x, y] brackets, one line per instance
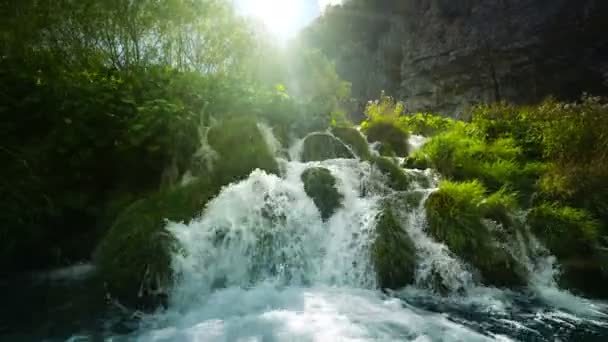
[443, 55]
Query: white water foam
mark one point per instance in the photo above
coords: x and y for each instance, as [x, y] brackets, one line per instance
[261, 265]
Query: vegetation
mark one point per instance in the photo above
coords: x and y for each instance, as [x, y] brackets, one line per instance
[134, 258]
[382, 126]
[105, 103]
[456, 217]
[393, 252]
[351, 137]
[322, 146]
[320, 185]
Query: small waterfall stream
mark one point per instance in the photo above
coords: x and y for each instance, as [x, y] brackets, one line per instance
[260, 264]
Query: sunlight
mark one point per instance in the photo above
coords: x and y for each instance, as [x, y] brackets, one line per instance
[281, 17]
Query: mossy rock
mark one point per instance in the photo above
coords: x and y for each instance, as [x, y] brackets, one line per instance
[572, 235]
[393, 139]
[323, 146]
[136, 252]
[398, 179]
[320, 185]
[354, 139]
[455, 217]
[241, 148]
[416, 163]
[393, 253]
[565, 231]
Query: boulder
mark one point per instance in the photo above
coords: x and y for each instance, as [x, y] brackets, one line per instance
[323, 146]
[320, 185]
[393, 253]
[393, 140]
[397, 178]
[241, 149]
[456, 217]
[134, 257]
[354, 139]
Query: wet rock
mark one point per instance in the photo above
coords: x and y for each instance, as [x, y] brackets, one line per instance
[320, 185]
[323, 146]
[393, 252]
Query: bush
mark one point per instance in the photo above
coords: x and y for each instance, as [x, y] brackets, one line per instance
[382, 126]
[425, 124]
[455, 217]
[566, 231]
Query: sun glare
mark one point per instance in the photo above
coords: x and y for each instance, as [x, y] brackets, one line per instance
[282, 17]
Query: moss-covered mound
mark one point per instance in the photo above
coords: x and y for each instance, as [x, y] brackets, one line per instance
[455, 217]
[241, 148]
[397, 179]
[353, 138]
[572, 235]
[323, 146]
[393, 253]
[394, 140]
[135, 255]
[320, 185]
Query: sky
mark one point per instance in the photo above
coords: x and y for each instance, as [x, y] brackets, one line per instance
[284, 17]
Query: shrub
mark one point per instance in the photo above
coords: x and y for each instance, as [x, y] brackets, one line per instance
[566, 231]
[425, 124]
[455, 217]
[382, 126]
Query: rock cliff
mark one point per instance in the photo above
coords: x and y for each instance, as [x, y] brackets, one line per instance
[443, 55]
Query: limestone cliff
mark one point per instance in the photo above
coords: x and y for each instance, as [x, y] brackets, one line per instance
[444, 55]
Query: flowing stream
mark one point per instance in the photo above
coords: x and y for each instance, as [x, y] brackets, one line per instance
[260, 264]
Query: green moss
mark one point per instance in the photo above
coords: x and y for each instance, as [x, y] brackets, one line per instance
[566, 231]
[393, 252]
[573, 236]
[394, 140]
[353, 138]
[323, 146]
[241, 148]
[455, 216]
[137, 249]
[398, 179]
[320, 185]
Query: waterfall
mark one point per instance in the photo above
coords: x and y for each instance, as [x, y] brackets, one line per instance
[260, 264]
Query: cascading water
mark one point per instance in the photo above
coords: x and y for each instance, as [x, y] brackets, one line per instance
[261, 264]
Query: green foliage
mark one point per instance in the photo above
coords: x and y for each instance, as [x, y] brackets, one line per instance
[566, 231]
[460, 154]
[397, 179]
[241, 148]
[455, 216]
[136, 253]
[425, 124]
[320, 185]
[382, 126]
[353, 138]
[393, 252]
[323, 146]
